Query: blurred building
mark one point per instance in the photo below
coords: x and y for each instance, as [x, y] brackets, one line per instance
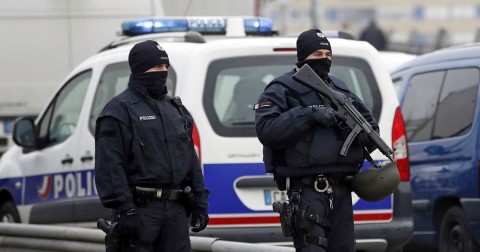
[411, 25]
[48, 38]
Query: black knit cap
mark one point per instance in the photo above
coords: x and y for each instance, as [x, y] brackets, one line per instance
[146, 55]
[311, 41]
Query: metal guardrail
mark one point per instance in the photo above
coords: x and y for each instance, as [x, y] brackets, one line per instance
[29, 237]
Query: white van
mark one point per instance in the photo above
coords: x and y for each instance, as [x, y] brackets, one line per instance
[48, 177]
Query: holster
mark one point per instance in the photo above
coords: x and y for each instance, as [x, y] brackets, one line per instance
[113, 242]
[287, 217]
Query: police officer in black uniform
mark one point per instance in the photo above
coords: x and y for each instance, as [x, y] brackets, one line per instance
[145, 159]
[302, 137]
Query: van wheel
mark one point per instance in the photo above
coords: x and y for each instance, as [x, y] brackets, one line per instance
[454, 235]
[8, 213]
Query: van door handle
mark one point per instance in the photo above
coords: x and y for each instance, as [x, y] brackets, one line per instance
[86, 158]
[255, 181]
[67, 160]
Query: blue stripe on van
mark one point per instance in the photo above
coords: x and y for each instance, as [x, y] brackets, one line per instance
[220, 179]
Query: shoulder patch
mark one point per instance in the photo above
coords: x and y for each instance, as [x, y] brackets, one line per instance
[264, 104]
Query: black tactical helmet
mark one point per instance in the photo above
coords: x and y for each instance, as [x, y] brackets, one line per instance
[375, 184]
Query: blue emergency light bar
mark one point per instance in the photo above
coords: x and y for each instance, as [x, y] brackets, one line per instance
[203, 25]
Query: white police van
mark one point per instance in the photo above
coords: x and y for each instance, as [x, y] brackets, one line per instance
[48, 177]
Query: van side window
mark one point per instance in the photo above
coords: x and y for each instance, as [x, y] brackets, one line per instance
[61, 117]
[113, 81]
[440, 104]
[457, 103]
[420, 105]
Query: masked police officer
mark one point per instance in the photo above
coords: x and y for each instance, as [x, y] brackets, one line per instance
[145, 159]
[302, 138]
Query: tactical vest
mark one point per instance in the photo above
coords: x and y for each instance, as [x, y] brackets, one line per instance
[161, 147]
[318, 150]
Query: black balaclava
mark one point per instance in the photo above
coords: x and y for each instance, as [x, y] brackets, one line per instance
[320, 66]
[154, 82]
[309, 42]
[144, 56]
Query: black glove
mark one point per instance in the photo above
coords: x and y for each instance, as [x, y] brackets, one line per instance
[327, 116]
[365, 141]
[199, 219]
[128, 222]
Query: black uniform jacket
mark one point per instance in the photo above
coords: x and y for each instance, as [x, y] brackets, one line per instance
[294, 144]
[144, 142]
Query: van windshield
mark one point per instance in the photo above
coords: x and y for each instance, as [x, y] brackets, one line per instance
[233, 86]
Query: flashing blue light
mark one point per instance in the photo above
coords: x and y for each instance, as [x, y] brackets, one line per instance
[154, 25]
[257, 25]
[204, 25]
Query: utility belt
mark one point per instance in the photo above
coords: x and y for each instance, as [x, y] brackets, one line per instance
[144, 195]
[320, 183]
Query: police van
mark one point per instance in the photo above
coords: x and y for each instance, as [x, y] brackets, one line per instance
[48, 177]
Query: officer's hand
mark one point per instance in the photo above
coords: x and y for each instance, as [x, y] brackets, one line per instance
[365, 141]
[128, 222]
[327, 116]
[199, 219]
[340, 117]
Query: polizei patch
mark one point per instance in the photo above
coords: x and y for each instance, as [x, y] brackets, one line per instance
[146, 118]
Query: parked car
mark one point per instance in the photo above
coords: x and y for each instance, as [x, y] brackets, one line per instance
[438, 93]
[219, 80]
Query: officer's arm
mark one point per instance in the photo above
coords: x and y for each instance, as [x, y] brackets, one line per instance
[198, 186]
[279, 118]
[111, 152]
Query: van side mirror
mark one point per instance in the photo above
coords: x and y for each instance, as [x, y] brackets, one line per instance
[24, 133]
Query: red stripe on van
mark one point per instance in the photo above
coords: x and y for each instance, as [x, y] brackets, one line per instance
[244, 220]
[373, 217]
[275, 219]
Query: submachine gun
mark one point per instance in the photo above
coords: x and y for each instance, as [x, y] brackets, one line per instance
[374, 183]
[112, 237]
